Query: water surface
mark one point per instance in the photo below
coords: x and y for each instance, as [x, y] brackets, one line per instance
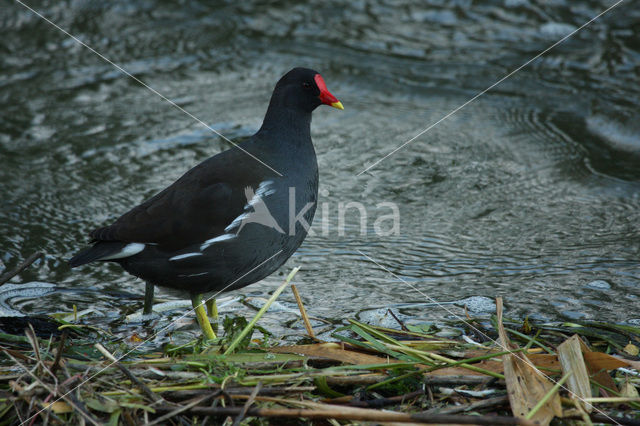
[531, 192]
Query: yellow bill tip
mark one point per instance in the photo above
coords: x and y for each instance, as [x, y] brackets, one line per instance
[337, 105]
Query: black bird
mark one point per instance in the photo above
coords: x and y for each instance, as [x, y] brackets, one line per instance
[236, 217]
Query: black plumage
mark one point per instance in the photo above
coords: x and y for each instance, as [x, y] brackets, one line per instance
[236, 217]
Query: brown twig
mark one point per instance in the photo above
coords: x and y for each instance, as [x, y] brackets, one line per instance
[144, 388]
[383, 402]
[363, 414]
[181, 409]
[247, 404]
[606, 419]
[235, 392]
[239, 391]
[33, 340]
[21, 267]
[66, 396]
[490, 402]
[402, 326]
[56, 360]
[457, 380]
[303, 312]
[359, 380]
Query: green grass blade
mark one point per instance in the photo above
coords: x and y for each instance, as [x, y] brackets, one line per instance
[261, 312]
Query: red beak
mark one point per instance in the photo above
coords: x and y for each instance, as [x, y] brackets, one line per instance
[325, 96]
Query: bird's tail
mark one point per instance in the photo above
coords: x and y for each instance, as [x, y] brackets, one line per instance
[102, 250]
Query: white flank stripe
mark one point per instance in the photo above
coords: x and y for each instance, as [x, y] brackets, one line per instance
[184, 256]
[193, 275]
[262, 188]
[222, 237]
[236, 222]
[262, 191]
[128, 250]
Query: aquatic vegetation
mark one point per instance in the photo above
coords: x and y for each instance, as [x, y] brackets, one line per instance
[496, 372]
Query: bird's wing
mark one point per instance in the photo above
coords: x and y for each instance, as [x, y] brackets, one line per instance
[198, 206]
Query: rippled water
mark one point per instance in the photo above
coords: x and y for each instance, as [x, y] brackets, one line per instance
[532, 191]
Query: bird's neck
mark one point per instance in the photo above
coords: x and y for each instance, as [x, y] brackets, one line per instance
[290, 124]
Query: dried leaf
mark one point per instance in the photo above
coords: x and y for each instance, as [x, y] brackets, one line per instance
[597, 365]
[525, 384]
[632, 349]
[602, 361]
[633, 364]
[332, 351]
[627, 389]
[570, 355]
[58, 407]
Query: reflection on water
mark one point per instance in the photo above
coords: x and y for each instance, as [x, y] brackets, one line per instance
[530, 192]
[9, 293]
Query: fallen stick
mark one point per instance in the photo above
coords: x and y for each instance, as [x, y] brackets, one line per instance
[383, 402]
[457, 380]
[247, 404]
[363, 414]
[485, 403]
[21, 267]
[361, 379]
[56, 361]
[303, 312]
[144, 388]
[237, 392]
[601, 418]
[68, 397]
[606, 419]
[180, 409]
[402, 326]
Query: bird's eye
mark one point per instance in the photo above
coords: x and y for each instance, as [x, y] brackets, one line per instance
[306, 85]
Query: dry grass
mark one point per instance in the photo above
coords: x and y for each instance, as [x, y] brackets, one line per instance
[537, 373]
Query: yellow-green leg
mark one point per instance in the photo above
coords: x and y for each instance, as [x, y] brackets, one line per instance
[212, 310]
[148, 298]
[203, 319]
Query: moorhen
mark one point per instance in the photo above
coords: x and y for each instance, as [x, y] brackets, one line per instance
[236, 217]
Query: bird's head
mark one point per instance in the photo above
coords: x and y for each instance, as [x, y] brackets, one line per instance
[305, 89]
